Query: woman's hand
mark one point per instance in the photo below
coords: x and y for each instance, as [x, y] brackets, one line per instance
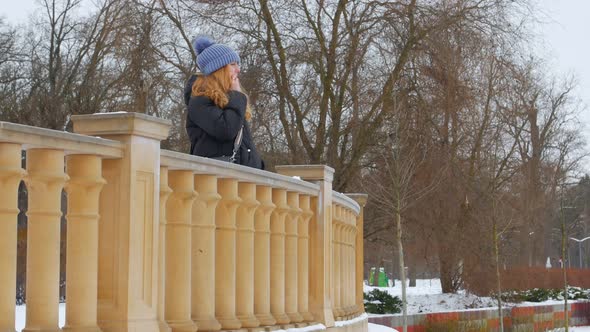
[235, 83]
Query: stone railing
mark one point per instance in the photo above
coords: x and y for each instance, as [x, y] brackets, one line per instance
[159, 240]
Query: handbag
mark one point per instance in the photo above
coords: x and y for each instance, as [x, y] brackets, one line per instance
[237, 143]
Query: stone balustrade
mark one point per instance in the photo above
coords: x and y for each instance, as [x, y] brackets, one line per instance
[344, 239]
[164, 241]
[54, 161]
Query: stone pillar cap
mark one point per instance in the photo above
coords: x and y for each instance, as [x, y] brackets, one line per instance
[308, 172]
[121, 123]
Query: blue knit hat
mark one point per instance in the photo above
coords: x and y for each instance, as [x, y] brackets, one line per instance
[212, 56]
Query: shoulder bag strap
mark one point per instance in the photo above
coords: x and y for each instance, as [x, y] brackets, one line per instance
[237, 144]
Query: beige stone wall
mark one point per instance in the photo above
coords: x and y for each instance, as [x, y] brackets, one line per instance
[164, 241]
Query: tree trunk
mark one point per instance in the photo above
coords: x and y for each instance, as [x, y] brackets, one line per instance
[564, 268]
[448, 266]
[498, 280]
[402, 270]
[412, 275]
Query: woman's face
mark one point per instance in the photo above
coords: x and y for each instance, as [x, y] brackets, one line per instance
[234, 70]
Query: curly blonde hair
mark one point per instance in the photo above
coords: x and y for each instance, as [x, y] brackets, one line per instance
[215, 87]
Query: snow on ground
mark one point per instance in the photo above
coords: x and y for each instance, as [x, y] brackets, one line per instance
[21, 320]
[383, 328]
[427, 297]
[21, 314]
[380, 328]
[316, 327]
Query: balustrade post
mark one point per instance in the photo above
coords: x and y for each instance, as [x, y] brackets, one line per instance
[337, 289]
[165, 192]
[345, 263]
[45, 181]
[277, 256]
[83, 188]
[129, 213]
[361, 199]
[203, 253]
[303, 258]
[291, 274]
[348, 289]
[352, 264]
[348, 269]
[11, 174]
[245, 256]
[321, 239]
[178, 251]
[262, 256]
[225, 254]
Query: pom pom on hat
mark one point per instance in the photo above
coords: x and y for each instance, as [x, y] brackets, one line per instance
[212, 56]
[201, 43]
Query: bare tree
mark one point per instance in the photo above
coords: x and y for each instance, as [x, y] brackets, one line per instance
[392, 184]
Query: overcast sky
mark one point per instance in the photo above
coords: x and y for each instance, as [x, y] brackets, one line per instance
[566, 36]
[564, 39]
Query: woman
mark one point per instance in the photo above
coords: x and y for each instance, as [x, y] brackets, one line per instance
[217, 108]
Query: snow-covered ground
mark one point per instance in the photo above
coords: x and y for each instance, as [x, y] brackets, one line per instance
[427, 297]
[21, 314]
[380, 328]
[21, 320]
[383, 328]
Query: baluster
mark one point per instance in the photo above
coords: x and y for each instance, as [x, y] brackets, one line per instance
[262, 256]
[83, 188]
[342, 265]
[361, 199]
[11, 174]
[245, 255]
[345, 263]
[45, 181]
[354, 279]
[345, 270]
[225, 253]
[333, 260]
[203, 253]
[337, 288]
[351, 281]
[348, 264]
[277, 256]
[303, 258]
[165, 192]
[178, 251]
[291, 219]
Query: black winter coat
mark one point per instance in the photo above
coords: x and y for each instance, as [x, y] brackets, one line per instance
[213, 130]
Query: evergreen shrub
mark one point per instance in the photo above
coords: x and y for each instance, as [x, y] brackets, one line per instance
[381, 302]
[541, 294]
